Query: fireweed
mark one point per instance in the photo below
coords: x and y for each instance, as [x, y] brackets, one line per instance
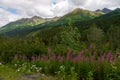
[80, 66]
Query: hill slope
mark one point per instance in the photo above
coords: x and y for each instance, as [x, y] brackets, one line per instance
[104, 22]
[25, 26]
[79, 15]
[25, 23]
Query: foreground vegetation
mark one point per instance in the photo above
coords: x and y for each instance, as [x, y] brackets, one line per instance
[8, 73]
[86, 65]
[66, 54]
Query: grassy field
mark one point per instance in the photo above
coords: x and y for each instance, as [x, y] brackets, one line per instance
[7, 73]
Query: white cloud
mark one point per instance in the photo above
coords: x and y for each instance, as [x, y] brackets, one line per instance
[61, 8]
[6, 17]
[100, 4]
[46, 8]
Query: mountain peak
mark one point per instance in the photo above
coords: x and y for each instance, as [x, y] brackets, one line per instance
[77, 10]
[97, 10]
[106, 10]
[36, 17]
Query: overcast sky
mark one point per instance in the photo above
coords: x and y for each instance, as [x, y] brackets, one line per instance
[11, 10]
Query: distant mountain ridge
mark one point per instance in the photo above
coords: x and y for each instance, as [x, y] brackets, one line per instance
[104, 10]
[25, 23]
[80, 17]
[103, 22]
[82, 14]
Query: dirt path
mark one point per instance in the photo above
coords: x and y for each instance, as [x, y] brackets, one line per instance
[32, 76]
[36, 77]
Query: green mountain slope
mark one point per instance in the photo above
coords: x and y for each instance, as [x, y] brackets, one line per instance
[22, 23]
[25, 23]
[104, 22]
[36, 24]
[75, 15]
[81, 14]
[78, 15]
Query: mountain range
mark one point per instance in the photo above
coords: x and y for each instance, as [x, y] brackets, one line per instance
[49, 26]
[104, 10]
